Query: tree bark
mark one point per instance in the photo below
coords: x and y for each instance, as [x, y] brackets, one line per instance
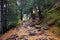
[3, 17]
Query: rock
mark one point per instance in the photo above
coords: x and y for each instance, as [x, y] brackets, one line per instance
[24, 37]
[32, 33]
[46, 27]
[37, 26]
[51, 21]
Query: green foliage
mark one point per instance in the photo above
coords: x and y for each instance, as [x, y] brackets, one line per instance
[57, 22]
[53, 14]
[12, 15]
[29, 4]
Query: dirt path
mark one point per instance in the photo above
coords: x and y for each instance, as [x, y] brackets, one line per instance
[23, 31]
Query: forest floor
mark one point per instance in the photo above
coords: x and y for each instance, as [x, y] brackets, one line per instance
[24, 31]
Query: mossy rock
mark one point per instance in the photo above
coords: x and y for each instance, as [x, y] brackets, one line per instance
[45, 26]
[51, 21]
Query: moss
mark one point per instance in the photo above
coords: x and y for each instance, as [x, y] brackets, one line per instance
[1, 35]
[56, 30]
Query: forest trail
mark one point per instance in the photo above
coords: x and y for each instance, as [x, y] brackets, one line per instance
[24, 31]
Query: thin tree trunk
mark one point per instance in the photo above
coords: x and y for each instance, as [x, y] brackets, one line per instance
[32, 15]
[21, 15]
[39, 13]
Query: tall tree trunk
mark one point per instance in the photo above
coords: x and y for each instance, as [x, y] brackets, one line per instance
[3, 17]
